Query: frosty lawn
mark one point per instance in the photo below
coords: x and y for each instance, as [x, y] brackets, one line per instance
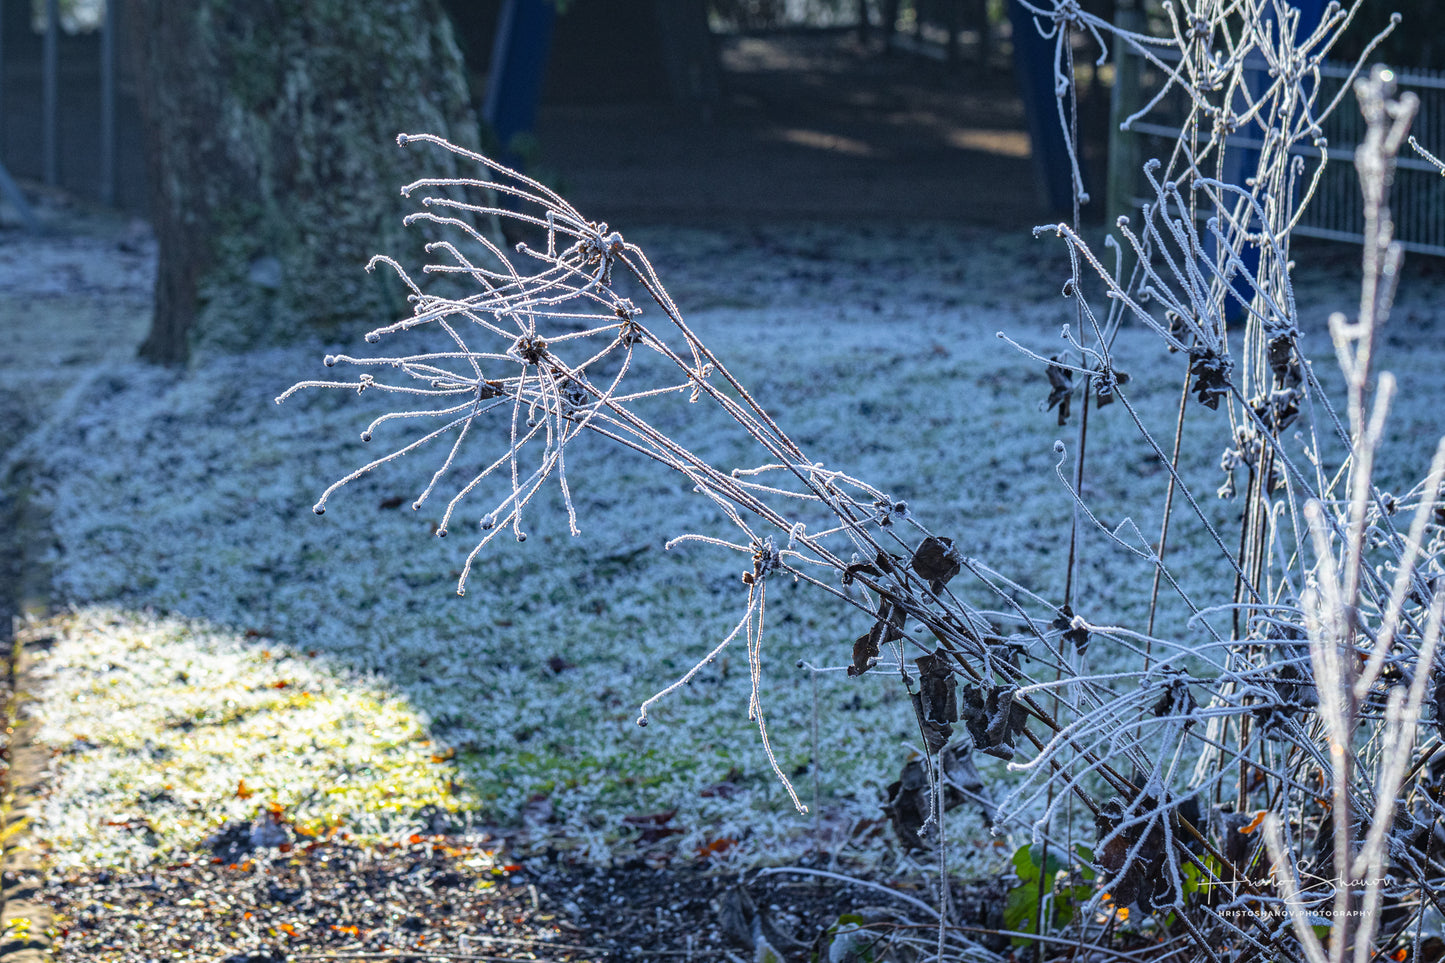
[189, 494]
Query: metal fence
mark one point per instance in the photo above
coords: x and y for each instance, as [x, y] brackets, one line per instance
[1336, 213]
[68, 112]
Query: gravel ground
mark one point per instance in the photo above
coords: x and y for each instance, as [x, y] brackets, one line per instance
[441, 897]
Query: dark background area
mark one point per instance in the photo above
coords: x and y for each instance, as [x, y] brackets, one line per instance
[800, 119]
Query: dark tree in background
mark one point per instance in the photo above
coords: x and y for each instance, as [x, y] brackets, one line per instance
[271, 139]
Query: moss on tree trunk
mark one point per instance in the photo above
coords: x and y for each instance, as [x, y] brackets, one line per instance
[271, 129]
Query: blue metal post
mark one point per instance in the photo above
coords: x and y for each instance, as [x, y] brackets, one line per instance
[1035, 59]
[3, 130]
[49, 137]
[107, 104]
[1242, 163]
[519, 60]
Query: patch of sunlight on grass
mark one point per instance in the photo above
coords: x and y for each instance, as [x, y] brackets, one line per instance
[164, 729]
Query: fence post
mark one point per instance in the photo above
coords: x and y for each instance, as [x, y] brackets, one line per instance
[4, 131]
[1124, 162]
[49, 137]
[8, 188]
[107, 104]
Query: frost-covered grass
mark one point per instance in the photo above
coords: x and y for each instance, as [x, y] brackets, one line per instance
[190, 493]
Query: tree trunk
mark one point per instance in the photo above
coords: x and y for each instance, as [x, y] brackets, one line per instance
[271, 138]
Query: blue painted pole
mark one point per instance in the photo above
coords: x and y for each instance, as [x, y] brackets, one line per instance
[107, 104]
[4, 130]
[519, 61]
[49, 138]
[1242, 163]
[1035, 58]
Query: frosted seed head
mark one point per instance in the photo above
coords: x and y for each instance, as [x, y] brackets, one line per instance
[487, 522]
[1058, 447]
[319, 509]
[521, 536]
[441, 533]
[642, 721]
[372, 337]
[401, 140]
[366, 436]
[329, 361]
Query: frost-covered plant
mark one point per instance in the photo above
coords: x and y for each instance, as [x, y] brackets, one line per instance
[1286, 697]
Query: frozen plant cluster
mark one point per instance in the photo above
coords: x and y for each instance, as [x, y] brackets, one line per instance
[1292, 697]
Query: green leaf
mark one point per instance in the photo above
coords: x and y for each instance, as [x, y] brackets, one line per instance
[1019, 908]
[1025, 864]
[1021, 905]
[1022, 900]
[1086, 861]
[1197, 880]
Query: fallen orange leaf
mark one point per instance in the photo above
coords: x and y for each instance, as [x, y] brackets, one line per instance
[716, 846]
[1254, 823]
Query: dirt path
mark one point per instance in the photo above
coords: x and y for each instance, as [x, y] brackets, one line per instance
[75, 297]
[810, 127]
